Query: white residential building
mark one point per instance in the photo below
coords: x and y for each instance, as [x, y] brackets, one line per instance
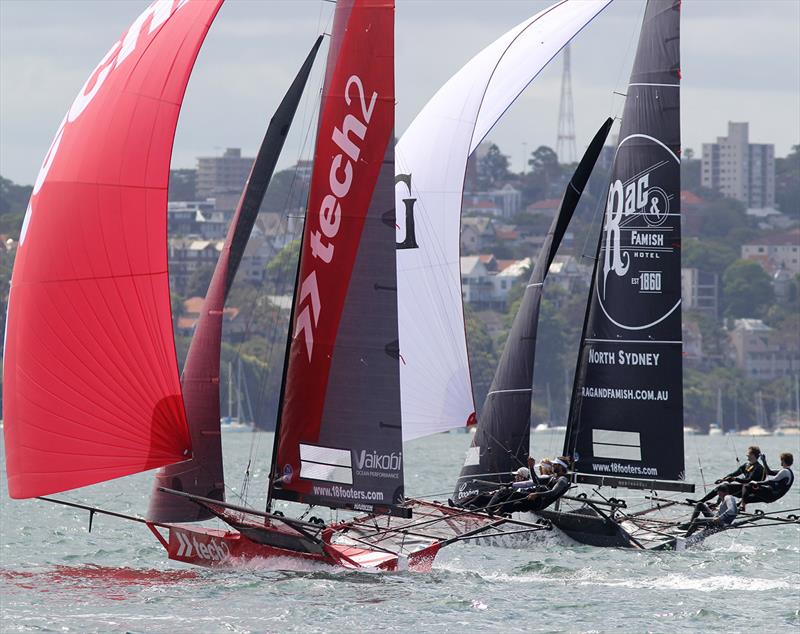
[740, 169]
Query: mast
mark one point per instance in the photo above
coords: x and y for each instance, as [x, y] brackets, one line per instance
[239, 389]
[203, 474]
[626, 414]
[502, 440]
[230, 390]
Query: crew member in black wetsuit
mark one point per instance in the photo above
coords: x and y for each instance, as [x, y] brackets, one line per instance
[528, 495]
[750, 471]
[491, 500]
[774, 487]
[556, 487]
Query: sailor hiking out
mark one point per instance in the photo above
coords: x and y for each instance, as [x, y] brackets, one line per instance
[530, 491]
[750, 471]
[773, 487]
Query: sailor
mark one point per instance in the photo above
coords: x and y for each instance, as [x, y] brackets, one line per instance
[492, 499]
[774, 487]
[504, 498]
[750, 471]
[713, 522]
[557, 486]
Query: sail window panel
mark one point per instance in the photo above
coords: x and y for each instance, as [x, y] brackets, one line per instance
[327, 473]
[613, 437]
[473, 457]
[326, 455]
[622, 445]
[619, 452]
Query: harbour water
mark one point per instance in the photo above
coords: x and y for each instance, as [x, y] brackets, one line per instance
[57, 577]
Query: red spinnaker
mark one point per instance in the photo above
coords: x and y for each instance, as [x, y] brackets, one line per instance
[91, 386]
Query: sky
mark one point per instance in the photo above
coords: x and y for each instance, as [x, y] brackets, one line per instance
[740, 62]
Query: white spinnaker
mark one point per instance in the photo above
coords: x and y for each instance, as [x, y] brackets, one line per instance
[436, 389]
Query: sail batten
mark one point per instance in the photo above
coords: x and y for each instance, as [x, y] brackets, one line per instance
[91, 387]
[626, 412]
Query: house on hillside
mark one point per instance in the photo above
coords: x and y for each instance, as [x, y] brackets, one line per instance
[477, 234]
[700, 292]
[233, 324]
[567, 272]
[187, 255]
[486, 281]
[775, 251]
[762, 352]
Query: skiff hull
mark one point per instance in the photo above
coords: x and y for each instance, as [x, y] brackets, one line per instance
[212, 547]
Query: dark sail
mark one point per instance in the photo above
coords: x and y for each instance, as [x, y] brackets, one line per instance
[202, 475]
[626, 414]
[339, 440]
[502, 440]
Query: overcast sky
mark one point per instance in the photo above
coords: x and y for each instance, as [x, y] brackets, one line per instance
[740, 59]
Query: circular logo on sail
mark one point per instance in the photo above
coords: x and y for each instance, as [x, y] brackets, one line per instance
[288, 472]
[638, 278]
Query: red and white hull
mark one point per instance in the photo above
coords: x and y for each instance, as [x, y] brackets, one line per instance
[212, 547]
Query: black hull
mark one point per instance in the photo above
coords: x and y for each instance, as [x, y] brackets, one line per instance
[587, 527]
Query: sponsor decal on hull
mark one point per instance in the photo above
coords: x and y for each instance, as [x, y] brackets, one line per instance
[198, 546]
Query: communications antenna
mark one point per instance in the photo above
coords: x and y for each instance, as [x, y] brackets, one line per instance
[565, 143]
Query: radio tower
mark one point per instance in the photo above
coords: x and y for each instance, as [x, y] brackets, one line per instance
[565, 144]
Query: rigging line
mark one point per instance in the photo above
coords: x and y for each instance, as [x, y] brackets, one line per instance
[623, 65]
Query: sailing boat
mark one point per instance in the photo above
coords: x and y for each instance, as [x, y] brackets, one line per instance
[625, 421]
[92, 390]
[502, 440]
[241, 421]
[625, 426]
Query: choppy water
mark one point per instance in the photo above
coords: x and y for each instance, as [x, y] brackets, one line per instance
[57, 577]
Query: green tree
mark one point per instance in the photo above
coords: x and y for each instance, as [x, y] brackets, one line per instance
[288, 189]
[747, 290]
[787, 183]
[710, 256]
[690, 171]
[13, 198]
[281, 268]
[197, 284]
[493, 168]
[545, 173]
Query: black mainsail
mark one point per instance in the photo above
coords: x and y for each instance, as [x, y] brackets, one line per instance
[502, 440]
[625, 424]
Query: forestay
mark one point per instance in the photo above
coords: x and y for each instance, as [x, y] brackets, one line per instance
[431, 164]
[91, 388]
[339, 438]
[626, 415]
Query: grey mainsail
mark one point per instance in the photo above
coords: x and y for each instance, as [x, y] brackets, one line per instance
[502, 440]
